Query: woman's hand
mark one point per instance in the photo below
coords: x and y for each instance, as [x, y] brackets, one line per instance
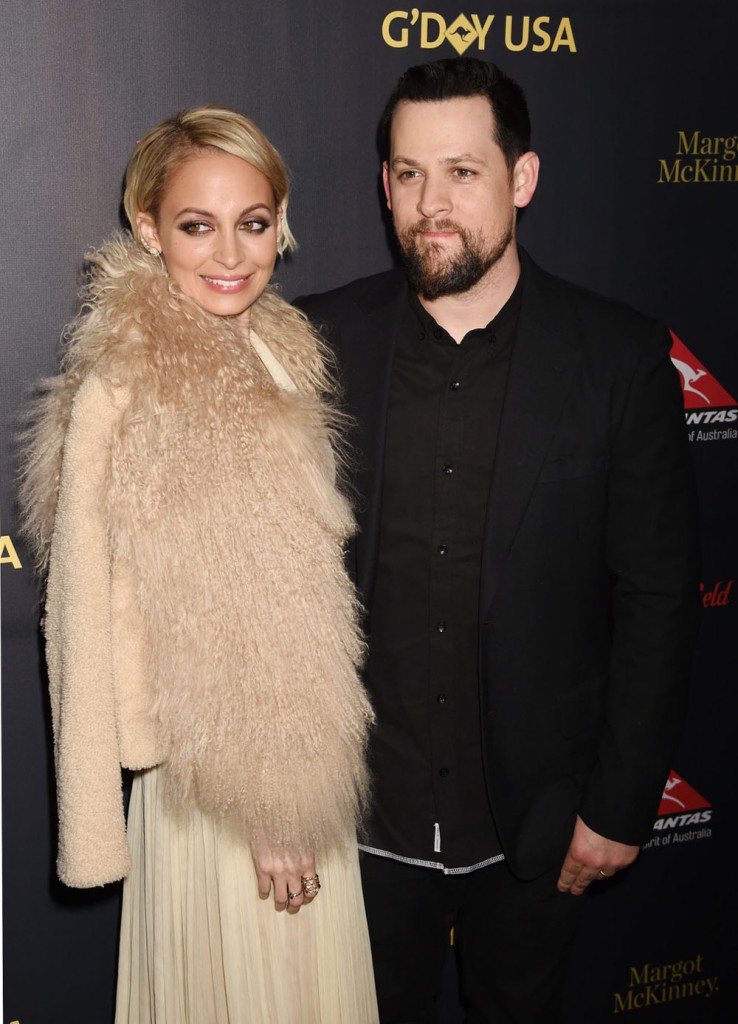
[284, 871]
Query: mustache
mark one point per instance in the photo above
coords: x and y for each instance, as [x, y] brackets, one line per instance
[434, 225]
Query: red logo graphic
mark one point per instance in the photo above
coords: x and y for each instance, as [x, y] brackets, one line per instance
[679, 796]
[718, 595]
[701, 390]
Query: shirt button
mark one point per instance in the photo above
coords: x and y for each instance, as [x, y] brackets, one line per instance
[441, 698]
[443, 772]
[448, 469]
[422, 335]
[454, 385]
[441, 627]
[442, 549]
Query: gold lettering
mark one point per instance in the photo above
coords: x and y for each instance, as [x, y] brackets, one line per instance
[515, 47]
[8, 553]
[667, 174]
[539, 31]
[389, 39]
[480, 29]
[622, 1004]
[685, 148]
[636, 978]
[676, 970]
[426, 18]
[564, 37]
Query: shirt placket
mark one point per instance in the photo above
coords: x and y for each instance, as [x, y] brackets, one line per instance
[443, 622]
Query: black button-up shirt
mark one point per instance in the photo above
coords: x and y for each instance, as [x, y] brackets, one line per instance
[430, 799]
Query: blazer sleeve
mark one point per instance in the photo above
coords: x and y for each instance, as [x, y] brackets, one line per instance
[652, 553]
[93, 848]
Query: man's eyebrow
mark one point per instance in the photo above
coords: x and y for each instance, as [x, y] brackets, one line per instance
[464, 158]
[408, 161]
[467, 158]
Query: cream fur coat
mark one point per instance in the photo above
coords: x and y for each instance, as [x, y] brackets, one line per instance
[197, 607]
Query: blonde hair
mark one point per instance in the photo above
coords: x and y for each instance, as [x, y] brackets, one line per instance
[163, 150]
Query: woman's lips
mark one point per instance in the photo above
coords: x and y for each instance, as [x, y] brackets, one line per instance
[227, 285]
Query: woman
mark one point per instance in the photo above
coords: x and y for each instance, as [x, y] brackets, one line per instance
[179, 488]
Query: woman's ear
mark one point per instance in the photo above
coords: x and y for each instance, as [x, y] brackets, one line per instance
[147, 231]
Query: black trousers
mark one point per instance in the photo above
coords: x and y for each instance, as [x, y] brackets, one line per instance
[512, 941]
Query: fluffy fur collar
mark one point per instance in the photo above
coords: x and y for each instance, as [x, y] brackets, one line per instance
[221, 496]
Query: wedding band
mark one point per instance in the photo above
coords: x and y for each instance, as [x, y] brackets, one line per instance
[294, 895]
[606, 874]
[310, 885]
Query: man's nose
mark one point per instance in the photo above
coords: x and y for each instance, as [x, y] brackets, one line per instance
[434, 198]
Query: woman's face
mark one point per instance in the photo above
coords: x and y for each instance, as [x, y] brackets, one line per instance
[217, 231]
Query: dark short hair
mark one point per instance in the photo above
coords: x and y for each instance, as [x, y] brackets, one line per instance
[465, 76]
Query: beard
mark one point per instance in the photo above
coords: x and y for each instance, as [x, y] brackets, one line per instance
[432, 272]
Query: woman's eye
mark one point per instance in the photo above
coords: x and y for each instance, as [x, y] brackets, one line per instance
[194, 227]
[255, 227]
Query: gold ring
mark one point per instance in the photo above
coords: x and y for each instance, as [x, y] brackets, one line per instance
[606, 874]
[310, 885]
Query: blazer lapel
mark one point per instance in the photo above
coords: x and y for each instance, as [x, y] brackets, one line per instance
[543, 362]
[366, 363]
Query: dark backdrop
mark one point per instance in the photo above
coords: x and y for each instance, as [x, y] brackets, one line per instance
[637, 199]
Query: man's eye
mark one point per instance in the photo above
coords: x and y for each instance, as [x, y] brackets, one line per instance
[464, 172]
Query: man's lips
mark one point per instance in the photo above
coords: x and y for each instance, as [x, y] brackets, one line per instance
[436, 232]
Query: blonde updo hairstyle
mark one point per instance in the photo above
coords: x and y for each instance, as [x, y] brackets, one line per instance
[201, 129]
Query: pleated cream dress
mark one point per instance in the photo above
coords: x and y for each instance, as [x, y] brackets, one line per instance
[198, 946]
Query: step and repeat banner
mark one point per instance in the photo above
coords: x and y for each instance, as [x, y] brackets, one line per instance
[635, 118]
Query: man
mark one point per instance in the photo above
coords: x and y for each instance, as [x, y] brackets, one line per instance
[526, 555]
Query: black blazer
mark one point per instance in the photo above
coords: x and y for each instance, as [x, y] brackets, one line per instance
[589, 584]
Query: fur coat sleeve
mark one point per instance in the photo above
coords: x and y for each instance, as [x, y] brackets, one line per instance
[100, 709]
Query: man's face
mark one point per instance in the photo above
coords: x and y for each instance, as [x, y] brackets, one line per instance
[452, 195]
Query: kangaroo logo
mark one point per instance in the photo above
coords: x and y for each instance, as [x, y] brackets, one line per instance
[689, 377]
[688, 800]
[461, 32]
[710, 393]
[671, 783]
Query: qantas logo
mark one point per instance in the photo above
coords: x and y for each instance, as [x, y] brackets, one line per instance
[706, 402]
[701, 390]
[681, 807]
[679, 796]
[690, 376]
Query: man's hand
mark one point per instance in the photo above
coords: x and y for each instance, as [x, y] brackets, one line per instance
[591, 857]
